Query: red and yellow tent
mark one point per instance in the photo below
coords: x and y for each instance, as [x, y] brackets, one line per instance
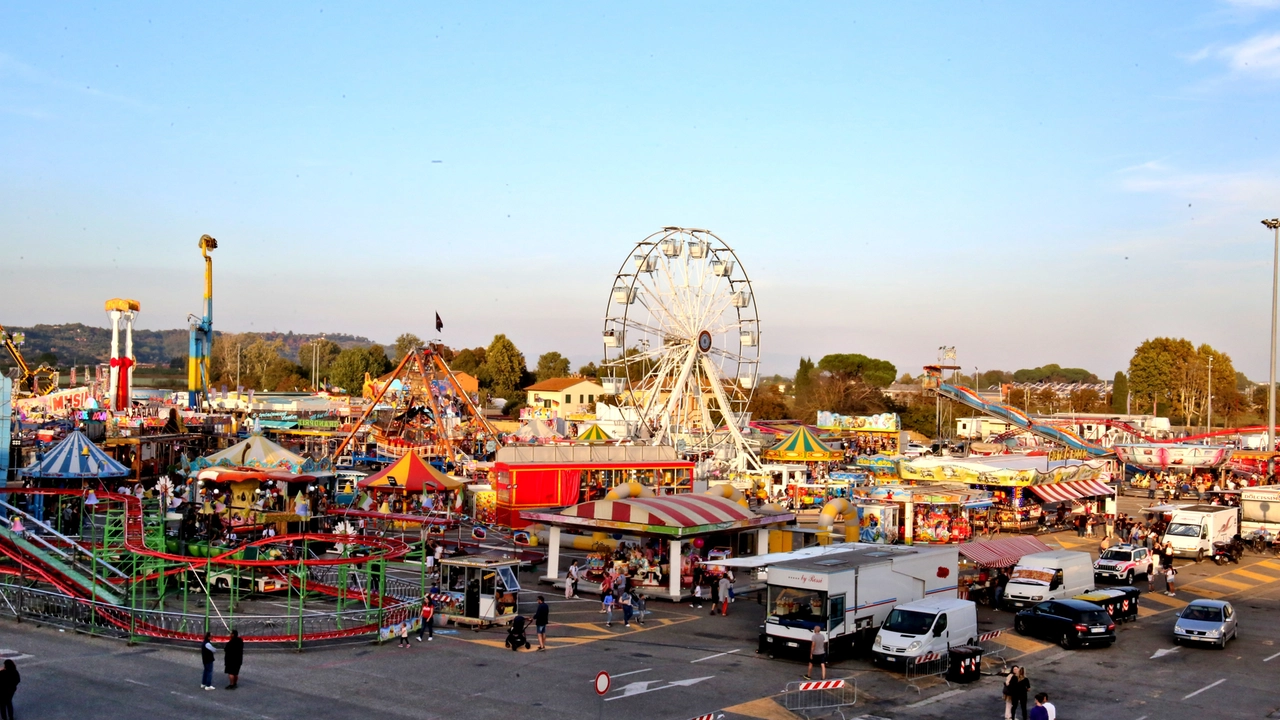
[411, 474]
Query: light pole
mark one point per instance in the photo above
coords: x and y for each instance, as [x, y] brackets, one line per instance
[1274, 225]
[1208, 428]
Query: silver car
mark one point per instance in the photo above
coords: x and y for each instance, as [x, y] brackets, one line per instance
[1206, 621]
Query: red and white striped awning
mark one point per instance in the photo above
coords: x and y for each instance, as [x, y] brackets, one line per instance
[1004, 552]
[676, 511]
[1063, 491]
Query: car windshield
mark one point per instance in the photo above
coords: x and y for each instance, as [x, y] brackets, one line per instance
[1117, 555]
[1095, 617]
[1202, 612]
[1183, 530]
[909, 622]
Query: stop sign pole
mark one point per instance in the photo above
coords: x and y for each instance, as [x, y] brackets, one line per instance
[602, 683]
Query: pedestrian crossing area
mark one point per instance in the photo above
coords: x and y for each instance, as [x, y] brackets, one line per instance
[14, 655]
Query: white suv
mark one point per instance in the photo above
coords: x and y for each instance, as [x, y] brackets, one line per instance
[1122, 563]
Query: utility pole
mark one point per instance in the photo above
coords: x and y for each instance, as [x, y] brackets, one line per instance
[1274, 225]
[1209, 424]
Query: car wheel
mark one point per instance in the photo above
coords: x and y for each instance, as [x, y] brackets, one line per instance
[1020, 626]
[1128, 578]
[1065, 640]
[1176, 641]
[1200, 555]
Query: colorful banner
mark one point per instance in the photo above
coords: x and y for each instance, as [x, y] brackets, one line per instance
[884, 422]
[973, 473]
[63, 400]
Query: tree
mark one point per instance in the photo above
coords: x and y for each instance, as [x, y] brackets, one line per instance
[767, 404]
[804, 376]
[1120, 393]
[348, 370]
[855, 366]
[1156, 369]
[551, 365]
[1053, 373]
[325, 351]
[47, 358]
[589, 370]
[504, 365]
[468, 361]
[405, 344]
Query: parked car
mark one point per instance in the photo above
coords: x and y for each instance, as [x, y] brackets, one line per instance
[916, 450]
[1123, 563]
[1069, 622]
[1206, 621]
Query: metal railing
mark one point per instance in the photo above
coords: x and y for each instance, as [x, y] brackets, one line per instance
[926, 666]
[993, 660]
[812, 697]
[98, 618]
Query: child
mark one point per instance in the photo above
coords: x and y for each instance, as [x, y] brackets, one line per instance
[697, 597]
[404, 635]
[607, 599]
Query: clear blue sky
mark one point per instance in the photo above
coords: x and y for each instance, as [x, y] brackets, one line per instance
[1029, 183]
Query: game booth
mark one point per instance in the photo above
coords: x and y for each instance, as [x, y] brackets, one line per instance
[556, 476]
[478, 590]
[933, 514]
[862, 434]
[677, 532]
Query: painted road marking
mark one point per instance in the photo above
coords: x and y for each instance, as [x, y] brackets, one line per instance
[709, 657]
[640, 688]
[1017, 642]
[936, 698]
[1256, 576]
[1206, 687]
[1226, 583]
[1162, 652]
[1205, 592]
[1144, 611]
[1165, 599]
[14, 655]
[633, 672]
[1269, 563]
[1273, 657]
[763, 709]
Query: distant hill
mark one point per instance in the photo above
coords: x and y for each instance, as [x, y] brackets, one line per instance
[77, 344]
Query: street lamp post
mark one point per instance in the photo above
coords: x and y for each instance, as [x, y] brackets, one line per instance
[1274, 225]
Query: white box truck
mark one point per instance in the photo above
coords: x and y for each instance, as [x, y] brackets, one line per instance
[1049, 575]
[932, 625]
[848, 594]
[1260, 510]
[1193, 530]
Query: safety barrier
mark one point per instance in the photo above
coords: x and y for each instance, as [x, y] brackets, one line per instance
[810, 696]
[926, 666]
[992, 653]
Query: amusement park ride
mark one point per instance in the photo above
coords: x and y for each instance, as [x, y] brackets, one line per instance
[40, 381]
[682, 344]
[201, 343]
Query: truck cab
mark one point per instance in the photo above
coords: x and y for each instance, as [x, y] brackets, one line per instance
[1193, 530]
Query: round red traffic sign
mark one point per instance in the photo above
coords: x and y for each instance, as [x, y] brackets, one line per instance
[602, 683]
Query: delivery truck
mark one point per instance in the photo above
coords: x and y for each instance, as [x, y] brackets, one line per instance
[848, 594]
[1048, 575]
[1193, 530]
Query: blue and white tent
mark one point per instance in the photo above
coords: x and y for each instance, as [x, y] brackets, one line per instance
[75, 457]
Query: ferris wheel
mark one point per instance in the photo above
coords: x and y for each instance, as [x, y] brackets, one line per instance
[682, 342]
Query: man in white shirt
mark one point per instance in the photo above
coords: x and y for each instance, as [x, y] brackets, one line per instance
[817, 653]
[1048, 706]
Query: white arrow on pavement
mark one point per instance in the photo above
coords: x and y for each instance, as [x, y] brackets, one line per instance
[640, 688]
[1162, 652]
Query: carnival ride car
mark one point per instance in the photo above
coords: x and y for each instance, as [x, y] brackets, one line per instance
[39, 381]
[479, 590]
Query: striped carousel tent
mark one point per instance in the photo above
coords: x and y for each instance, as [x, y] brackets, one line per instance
[801, 446]
[259, 453]
[75, 457]
[594, 434]
[674, 515]
[411, 474]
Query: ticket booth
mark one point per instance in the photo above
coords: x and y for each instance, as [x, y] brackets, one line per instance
[482, 589]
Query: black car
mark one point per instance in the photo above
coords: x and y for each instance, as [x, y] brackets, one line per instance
[1068, 622]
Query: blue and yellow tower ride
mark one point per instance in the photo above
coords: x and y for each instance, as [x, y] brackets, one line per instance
[201, 334]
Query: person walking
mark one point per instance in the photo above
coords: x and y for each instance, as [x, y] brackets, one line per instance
[206, 656]
[428, 625]
[638, 602]
[817, 653]
[726, 588]
[625, 601]
[1017, 686]
[1038, 711]
[232, 659]
[607, 600]
[715, 595]
[9, 679]
[1169, 575]
[403, 640]
[540, 616]
[697, 597]
[1051, 712]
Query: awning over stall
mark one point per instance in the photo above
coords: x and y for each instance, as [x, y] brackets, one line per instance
[75, 457]
[677, 515]
[1004, 552]
[1063, 491]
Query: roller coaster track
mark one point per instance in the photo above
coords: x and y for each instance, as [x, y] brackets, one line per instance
[965, 396]
[41, 564]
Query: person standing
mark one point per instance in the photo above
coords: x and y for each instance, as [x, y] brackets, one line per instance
[233, 658]
[725, 588]
[206, 656]
[1169, 575]
[428, 619]
[1051, 712]
[1018, 686]
[697, 597]
[540, 616]
[624, 599]
[1038, 711]
[817, 653]
[715, 595]
[9, 679]
[571, 580]
[403, 640]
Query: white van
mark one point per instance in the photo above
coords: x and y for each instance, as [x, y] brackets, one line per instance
[924, 626]
[1050, 575]
[1194, 529]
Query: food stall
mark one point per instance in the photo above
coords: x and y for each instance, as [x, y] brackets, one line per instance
[478, 590]
[933, 514]
[981, 561]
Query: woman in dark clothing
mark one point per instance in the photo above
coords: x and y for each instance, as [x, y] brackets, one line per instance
[9, 679]
[233, 657]
[1016, 687]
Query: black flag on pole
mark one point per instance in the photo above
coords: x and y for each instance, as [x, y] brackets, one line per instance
[439, 323]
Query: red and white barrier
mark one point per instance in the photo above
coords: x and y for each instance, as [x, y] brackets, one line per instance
[989, 636]
[821, 685]
[928, 657]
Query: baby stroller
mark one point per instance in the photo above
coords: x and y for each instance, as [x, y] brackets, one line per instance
[516, 635]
